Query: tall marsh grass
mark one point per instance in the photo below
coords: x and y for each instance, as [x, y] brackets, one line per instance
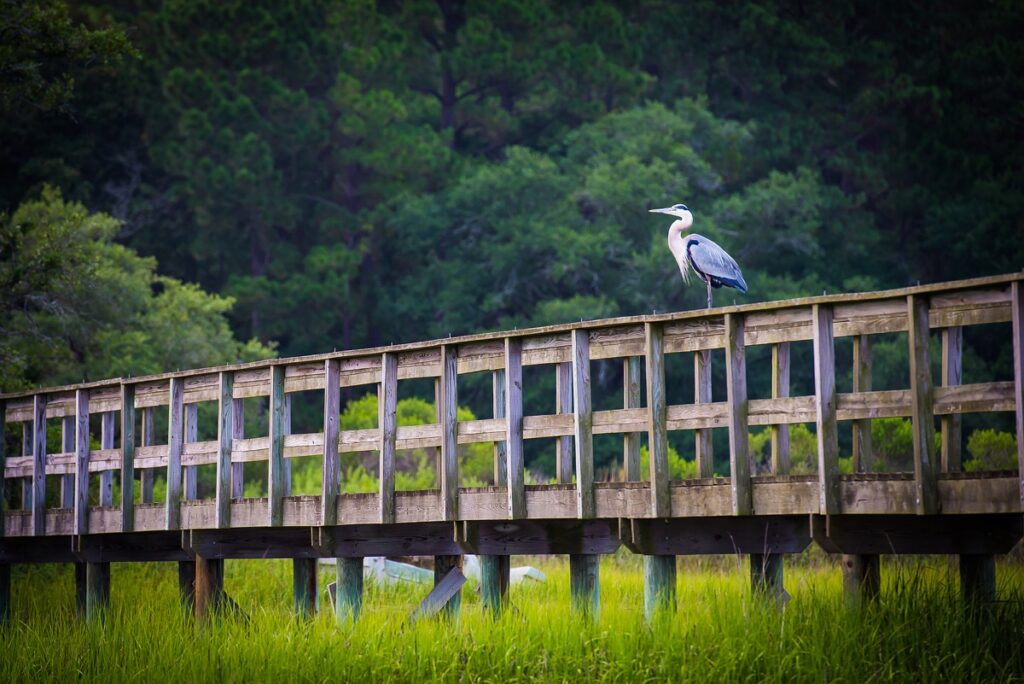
[919, 631]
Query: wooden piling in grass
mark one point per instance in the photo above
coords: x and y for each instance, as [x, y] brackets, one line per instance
[584, 584]
[209, 587]
[495, 574]
[348, 596]
[80, 589]
[766, 575]
[659, 585]
[978, 578]
[442, 566]
[862, 580]
[97, 591]
[5, 593]
[304, 586]
[187, 585]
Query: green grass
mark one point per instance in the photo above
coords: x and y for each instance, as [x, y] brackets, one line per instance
[919, 631]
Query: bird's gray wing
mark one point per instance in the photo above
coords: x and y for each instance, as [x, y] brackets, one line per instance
[709, 258]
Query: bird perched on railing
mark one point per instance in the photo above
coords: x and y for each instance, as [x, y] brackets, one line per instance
[711, 263]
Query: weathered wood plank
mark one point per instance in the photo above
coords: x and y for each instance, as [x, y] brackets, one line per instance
[515, 467]
[107, 429]
[922, 416]
[657, 434]
[704, 446]
[631, 379]
[38, 482]
[444, 595]
[81, 519]
[225, 437]
[825, 420]
[736, 398]
[175, 445]
[146, 475]
[237, 433]
[564, 451]
[387, 420]
[276, 433]
[67, 482]
[863, 458]
[448, 405]
[780, 389]
[1018, 377]
[127, 457]
[498, 411]
[952, 374]
[583, 425]
[190, 473]
[5, 576]
[331, 463]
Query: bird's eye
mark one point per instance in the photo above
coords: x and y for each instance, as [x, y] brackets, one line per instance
[683, 207]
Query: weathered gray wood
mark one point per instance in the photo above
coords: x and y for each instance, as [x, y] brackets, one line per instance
[286, 463]
[237, 432]
[780, 388]
[147, 475]
[331, 462]
[515, 467]
[767, 576]
[449, 456]
[97, 591]
[703, 445]
[81, 519]
[348, 597]
[583, 424]
[565, 454]
[209, 587]
[187, 585]
[498, 411]
[275, 477]
[825, 409]
[445, 598]
[304, 586]
[978, 578]
[910, 533]
[39, 463]
[862, 579]
[657, 415]
[863, 457]
[631, 381]
[387, 421]
[585, 585]
[1018, 376]
[175, 445]
[27, 447]
[67, 482]
[952, 374]
[659, 585]
[736, 398]
[718, 534]
[922, 396]
[3, 506]
[127, 457]
[107, 430]
[225, 439]
[190, 474]
[495, 573]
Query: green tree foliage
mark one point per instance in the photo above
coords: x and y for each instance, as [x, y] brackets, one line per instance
[991, 450]
[77, 305]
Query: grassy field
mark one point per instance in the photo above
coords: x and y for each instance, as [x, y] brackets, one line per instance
[917, 632]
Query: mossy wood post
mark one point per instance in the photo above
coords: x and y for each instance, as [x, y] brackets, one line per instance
[978, 578]
[736, 398]
[498, 411]
[39, 461]
[286, 463]
[304, 586]
[187, 585]
[209, 587]
[190, 474]
[348, 595]
[659, 585]
[67, 446]
[5, 587]
[495, 573]
[449, 455]
[97, 595]
[276, 432]
[225, 440]
[825, 409]
[127, 457]
[81, 590]
[659, 571]
[950, 459]
[387, 421]
[237, 432]
[147, 475]
[861, 572]
[631, 383]
[766, 574]
[515, 468]
[81, 513]
[565, 453]
[27, 445]
[443, 564]
[175, 435]
[703, 444]
[584, 584]
[331, 463]
[922, 415]
[1017, 314]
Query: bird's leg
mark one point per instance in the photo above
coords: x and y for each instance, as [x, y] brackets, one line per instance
[709, 294]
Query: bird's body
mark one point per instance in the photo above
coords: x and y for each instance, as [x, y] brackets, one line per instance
[709, 261]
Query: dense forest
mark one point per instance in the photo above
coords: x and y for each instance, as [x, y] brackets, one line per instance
[189, 182]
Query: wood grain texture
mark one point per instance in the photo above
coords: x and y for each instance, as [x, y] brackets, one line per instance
[631, 382]
[67, 482]
[585, 584]
[863, 457]
[190, 472]
[515, 466]
[276, 433]
[175, 445]
[331, 482]
[704, 445]
[564, 451]
[1018, 377]
[583, 424]
[922, 413]
[780, 389]
[498, 411]
[825, 409]
[952, 375]
[108, 422]
[736, 398]
[38, 482]
[449, 455]
[127, 457]
[387, 420]
[225, 439]
[146, 475]
[657, 434]
[4, 588]
[81, 519]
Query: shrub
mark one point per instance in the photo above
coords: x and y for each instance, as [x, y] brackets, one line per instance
[991, 450]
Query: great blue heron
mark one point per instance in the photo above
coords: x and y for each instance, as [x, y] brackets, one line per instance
[711, 263]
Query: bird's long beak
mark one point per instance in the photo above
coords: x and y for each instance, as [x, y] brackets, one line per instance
[666, 210]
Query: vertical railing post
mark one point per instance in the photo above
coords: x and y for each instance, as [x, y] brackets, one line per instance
[952, 374]
[736, 397]
[498, 411]
[27, 449]
[922, 416]
[67, 446]
[780, 388]
[190, 474]
[81, 519]
[127, 457]
[704, 445]
[514, 427]
[631, 382]
[286, 463]
[583, 424]
[564, 451]
[1017, 305]
[225, 442]
[5, 568]
[825, 409]
[237, 432]
[862, 451]
[39, 464]
[331, 462]
[305, 583]
[657, 416]
[147, 475]
[275, 512]
[387, 421]
[107, 430]
[448, 389]
[175, 444]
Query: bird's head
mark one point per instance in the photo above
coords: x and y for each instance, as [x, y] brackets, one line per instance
[678, 210]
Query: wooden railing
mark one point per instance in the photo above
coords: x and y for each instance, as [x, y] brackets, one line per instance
[934, 487]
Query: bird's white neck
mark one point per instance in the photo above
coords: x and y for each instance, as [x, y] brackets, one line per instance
[677, 246]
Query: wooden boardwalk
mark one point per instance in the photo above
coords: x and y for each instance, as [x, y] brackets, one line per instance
[934, 509]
